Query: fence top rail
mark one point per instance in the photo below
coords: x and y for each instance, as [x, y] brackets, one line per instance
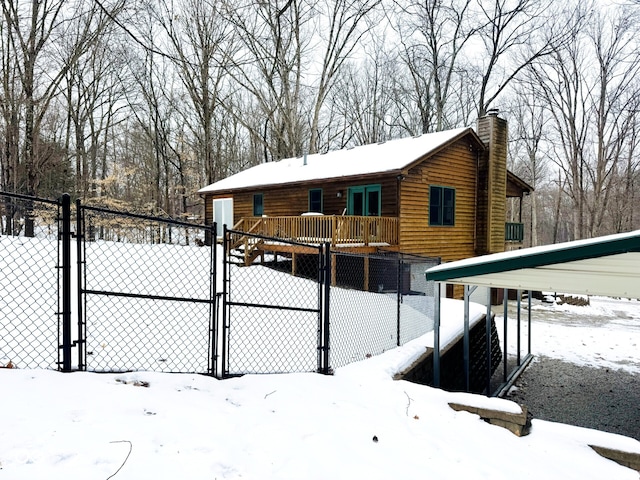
[150, 218]
[30, 198]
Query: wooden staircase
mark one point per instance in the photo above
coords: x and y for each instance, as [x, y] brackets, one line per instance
[245, 249]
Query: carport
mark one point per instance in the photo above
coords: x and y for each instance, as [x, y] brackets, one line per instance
[607, 266]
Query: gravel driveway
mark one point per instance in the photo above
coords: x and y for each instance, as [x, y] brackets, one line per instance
[586, 370]
[600, 398]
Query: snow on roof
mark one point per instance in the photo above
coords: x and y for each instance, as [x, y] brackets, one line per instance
[367, 159]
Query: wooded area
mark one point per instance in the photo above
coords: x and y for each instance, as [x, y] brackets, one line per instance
[138, 104]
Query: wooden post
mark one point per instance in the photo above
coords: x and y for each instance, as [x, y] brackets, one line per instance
[293, 264]
[333, 270]
[366, 273]
[334, 233]
[246, 251]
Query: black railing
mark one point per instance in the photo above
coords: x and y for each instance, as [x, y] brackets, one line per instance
[514, 232]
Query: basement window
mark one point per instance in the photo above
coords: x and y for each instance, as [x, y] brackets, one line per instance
[442, 205]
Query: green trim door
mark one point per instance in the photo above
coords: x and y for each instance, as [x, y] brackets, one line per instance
[364, 201]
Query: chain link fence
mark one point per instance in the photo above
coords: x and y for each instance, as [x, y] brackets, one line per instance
[272, 305]
[142, 294]
[291, 307]
[378, 302]
[148, 286]
[29, 277]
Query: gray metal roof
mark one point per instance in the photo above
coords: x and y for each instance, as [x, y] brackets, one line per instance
[608, 266]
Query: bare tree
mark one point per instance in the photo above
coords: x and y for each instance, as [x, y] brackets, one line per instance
[515, 34]
[32, 30]
[589, 87]
[529, 160]
[269, 70]
[613, 103]
[361, 107]
[11, 116]
[93, 93]
[433, 37]
[348, 21]
[277, 68]
[620, 215]
[202, 44]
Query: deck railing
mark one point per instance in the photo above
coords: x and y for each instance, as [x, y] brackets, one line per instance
[339, 230]
[514, 232]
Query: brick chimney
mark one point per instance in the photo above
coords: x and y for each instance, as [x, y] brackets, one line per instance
[492, 184]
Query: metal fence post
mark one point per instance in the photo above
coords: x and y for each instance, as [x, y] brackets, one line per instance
[82, 361]
[529, 323]
[518, 340]
[213, 297]
[326, 334]
[65, 237]
[225, 299]
[488, 336]
[436, 334]
[466, 341]
[399, 287]
[505, 306]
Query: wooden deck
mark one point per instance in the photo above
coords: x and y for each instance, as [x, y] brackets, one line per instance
[355, 234]
[339, 231]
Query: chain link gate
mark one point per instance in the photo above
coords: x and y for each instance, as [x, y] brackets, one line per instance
[273, 300]
[31, 309]
[147, 293]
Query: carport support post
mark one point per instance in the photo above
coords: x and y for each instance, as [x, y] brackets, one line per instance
[436, 335]
[465, 340]
[519, 295]
[529, 322]
[505, 304]
[488, 335]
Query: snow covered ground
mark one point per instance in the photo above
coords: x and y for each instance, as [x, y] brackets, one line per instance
[356, 424]
[303, 426]
[605, 333]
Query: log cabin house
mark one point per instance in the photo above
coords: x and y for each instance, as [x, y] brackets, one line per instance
[440, 194]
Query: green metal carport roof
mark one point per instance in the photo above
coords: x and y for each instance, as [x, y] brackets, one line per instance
[608, 266]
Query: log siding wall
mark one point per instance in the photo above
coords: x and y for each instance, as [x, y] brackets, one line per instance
[454, 167]
[293, 200]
